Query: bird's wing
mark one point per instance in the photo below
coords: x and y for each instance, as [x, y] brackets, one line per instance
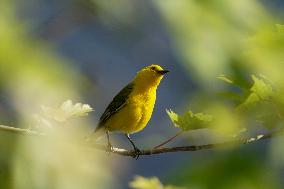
[118, 102]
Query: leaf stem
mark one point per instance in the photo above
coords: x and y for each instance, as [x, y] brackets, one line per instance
[169, 140]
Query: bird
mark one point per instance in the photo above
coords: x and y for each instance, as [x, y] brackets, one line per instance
[131, 109]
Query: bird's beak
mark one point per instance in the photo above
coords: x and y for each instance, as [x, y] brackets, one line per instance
[163, 72]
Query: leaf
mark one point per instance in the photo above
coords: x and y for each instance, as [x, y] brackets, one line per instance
[226, 79]
[149, 183]
[260, 90]
[66, 111]
[189, 120]
[236, 91]
[235, 80]
[76, 110]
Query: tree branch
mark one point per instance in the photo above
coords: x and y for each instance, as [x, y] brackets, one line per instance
[20, 131]
[125, 152]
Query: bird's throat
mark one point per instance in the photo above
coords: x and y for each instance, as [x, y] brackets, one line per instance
[147, 85]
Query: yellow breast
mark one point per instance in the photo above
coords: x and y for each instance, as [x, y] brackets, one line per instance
[135, 115]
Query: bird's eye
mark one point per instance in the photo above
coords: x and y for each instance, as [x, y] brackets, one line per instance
[152, 68]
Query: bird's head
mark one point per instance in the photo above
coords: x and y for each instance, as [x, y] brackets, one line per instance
[150, 75]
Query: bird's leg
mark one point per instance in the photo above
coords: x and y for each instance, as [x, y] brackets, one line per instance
[136, 150]
[109, 146]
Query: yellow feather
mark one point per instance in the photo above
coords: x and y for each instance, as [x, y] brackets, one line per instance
[139, 105]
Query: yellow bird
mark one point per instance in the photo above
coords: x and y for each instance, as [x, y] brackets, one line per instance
[131, 109]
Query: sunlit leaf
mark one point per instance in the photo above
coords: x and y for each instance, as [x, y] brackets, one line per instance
[66, 111]
[260, 90]
[189, 120]
[225, 78]
[149, 183]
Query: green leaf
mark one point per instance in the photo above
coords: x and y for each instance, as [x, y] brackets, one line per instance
[149, 183]
[260, 90]
[236, 80]
[226, 79]
[237, 90]
[189, 120]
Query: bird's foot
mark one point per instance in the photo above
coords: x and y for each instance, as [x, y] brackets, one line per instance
[136, 153]
[109, 148]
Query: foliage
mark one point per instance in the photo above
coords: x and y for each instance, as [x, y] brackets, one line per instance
[228, 169]
[149, 183]
[260, 95]
[67, 111]
[261, 90]
[189, 120]
[237, 39]
[33, 74]
[248, 51]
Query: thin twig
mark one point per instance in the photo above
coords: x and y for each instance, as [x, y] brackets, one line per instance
[169, 140]
[125, 152]
[20, 131]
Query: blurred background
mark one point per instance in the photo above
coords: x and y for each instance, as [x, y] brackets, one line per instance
[87, 50]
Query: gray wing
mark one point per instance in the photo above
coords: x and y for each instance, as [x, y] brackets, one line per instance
[118, 102]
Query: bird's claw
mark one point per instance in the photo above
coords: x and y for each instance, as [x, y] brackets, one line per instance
[109, 148]
[136, 153]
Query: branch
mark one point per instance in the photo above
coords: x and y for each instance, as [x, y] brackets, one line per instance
[169, 140]
[20, 131]
[125, 152]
